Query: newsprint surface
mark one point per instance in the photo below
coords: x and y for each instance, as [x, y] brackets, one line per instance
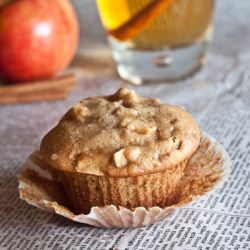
[219, 98]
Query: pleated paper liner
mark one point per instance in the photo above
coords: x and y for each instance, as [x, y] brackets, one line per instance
[205, 171]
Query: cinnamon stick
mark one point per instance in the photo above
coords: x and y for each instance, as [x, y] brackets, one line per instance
[141, 20]
[34, 97]
[61, 82]
[42, 90]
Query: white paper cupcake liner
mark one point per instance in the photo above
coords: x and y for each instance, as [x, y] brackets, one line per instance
[206, 171]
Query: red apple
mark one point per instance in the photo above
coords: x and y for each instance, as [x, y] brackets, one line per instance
[38, 38]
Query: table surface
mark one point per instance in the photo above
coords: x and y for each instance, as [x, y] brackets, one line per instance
[218, 96]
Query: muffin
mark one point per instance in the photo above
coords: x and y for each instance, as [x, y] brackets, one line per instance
[121, 149]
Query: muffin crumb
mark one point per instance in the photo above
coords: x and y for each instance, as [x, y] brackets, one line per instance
[120, 159]
[54, 157]
[133, 153]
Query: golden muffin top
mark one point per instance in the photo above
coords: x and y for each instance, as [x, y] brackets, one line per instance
[121, 135]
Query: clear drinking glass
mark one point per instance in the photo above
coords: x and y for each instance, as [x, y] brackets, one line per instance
[157, 40]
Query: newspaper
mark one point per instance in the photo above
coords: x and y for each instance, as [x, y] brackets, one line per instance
[218, 97]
